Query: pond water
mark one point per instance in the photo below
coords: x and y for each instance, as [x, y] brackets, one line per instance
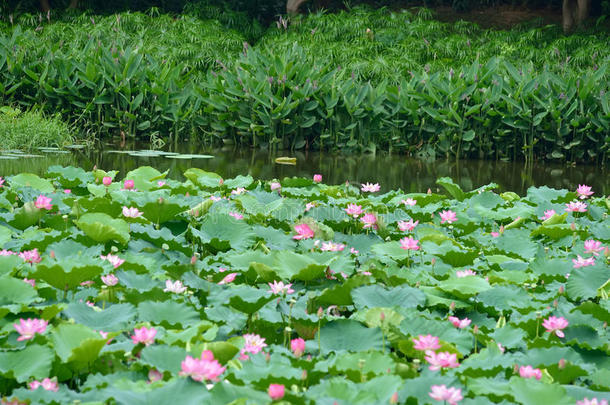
[391, 171]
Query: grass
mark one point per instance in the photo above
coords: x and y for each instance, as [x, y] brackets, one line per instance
[31, 129]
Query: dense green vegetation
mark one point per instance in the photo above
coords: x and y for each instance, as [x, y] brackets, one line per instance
[109, 285]
[409, 84]
[32, 129]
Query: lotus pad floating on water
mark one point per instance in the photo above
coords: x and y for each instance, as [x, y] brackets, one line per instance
[218, 290]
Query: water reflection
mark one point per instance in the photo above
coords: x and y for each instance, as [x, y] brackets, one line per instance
[391, 171]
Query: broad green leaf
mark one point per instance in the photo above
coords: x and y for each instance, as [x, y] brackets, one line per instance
[103, 228]
[33, 361]
[167, 313]
[376, 296]
[77, 343]
[15, 291]
[33, 181]
[347, 335]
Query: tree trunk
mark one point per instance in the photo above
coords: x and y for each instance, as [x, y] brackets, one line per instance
[44, 5]
[575, 12]
[292, 6]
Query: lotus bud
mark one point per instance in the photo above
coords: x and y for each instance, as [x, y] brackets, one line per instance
[429, 191]
[561, 364]
[573, 226]
[555, 304]
[320, 312]
[221, 182]
[475, 330]
[52, 254]
[516, 369]
[187, 194]
[433, 261]
[107, 180]
[605, 325]
[267, 357]
[304, 375]
[382, 316]
[394, 398]
[452, 306]
[161, 200]
[561, 289]
[193, 260]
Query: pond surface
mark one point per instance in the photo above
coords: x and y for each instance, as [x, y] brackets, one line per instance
[391, 171]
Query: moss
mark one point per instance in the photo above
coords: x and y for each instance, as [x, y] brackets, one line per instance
[31, 129]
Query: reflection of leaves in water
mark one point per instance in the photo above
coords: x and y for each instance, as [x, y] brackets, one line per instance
[391, 171]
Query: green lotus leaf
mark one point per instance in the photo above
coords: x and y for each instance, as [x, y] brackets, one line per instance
[376, 296]
[33, 361]
[348, 335]
[239, 181]
[203, 179]
[68, 273]
[464, 286]
[506, 298]
[103, 228]
[226, 393]
[252, 206]
[71, 177]
[277, 369]
[419, 387]
[113, 318]
[361, 366]
[340, 294]
[183, 391]
[77, 343]
[163, 358]
[145, 177]
[585, 282]
[15, 291]
[517, 242]
[453, 189]
[26, 216]
[529, 391]
[33, 181]
[222, 232]
[223, 351]
[167, 313]
[556, 232]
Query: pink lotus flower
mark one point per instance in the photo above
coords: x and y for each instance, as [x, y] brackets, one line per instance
[31, 282]
[592, 401]
[229, 278]
[275, 186]
[425, 343]
[317, 178]
[548, 214]
[67, 191]
[529, 372]
[310, 205]
[409, 202]
[448, 216]
[407, 226]
[215, 198]
[297, 346]
[253, 344]
[30, 256]
[238, 191]
[175, 287]
[441, 360]
[495, 234]
[144, 335]
[555, 325]
[354, 210]
[1, 182]
[409, 243]
[442, 393]
[205, 368]
[28, 328]
[110, 280]
[161, 183]
[47, 384]
[583, 191]
[43, 202]
[459, 323]
[128, 185]
[107, 180]
[303, 232]
[131, 212]
[236, 215]
[278, 288]
[353, 251]
[154, 375]
[276, 391]
[371, 188]
[369, 220]
[5, 252]
[113, 259]
[87, 283]
[465, 273]
[576, 206]
[332, 247]
[593, 246]
[580, 262]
